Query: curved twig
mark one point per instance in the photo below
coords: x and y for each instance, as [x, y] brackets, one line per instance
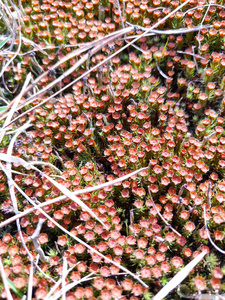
[164, 220]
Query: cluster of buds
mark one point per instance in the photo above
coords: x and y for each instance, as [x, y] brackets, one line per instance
[160, 106]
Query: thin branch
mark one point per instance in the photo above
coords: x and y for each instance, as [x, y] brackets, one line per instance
[169, 31]
[63, 189]
[79, 192]
[158, 212]
[209, 237]
[184, 186]
[43, 163]
[64, 274]
[4, 280]
[70, 286]
[208, 194]
[12, 21]
[16, 53]
[4, 100]
[96, 49]
[36, 243]
[200, 6]
[96, 45]
[5, 18]
[179, 277]
[194, 58]
[8, 174]
[76, 238]
[203, 19]
[13, 108]
[131, 217]
[188, 53]
[162, 73]
[36, 46]
[206, 138]
[56, 285]
[30, 282]
[120, 15]
[11, 184]
[135, 46]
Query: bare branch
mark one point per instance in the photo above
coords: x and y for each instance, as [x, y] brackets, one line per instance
[36, 243]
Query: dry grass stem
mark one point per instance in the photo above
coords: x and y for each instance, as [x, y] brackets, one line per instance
[167, 224]
[2, 271]
[179, 277]
[70, 286]
[61, 198]
[95, 46]
[209, 236]
[14, 107]
[64, 274]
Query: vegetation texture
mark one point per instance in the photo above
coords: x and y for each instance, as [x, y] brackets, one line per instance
[112, 149]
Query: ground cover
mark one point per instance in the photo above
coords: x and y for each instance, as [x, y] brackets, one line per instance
[112, 149]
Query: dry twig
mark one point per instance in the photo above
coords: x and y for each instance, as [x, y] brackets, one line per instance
[164, 220]
[79, 192]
